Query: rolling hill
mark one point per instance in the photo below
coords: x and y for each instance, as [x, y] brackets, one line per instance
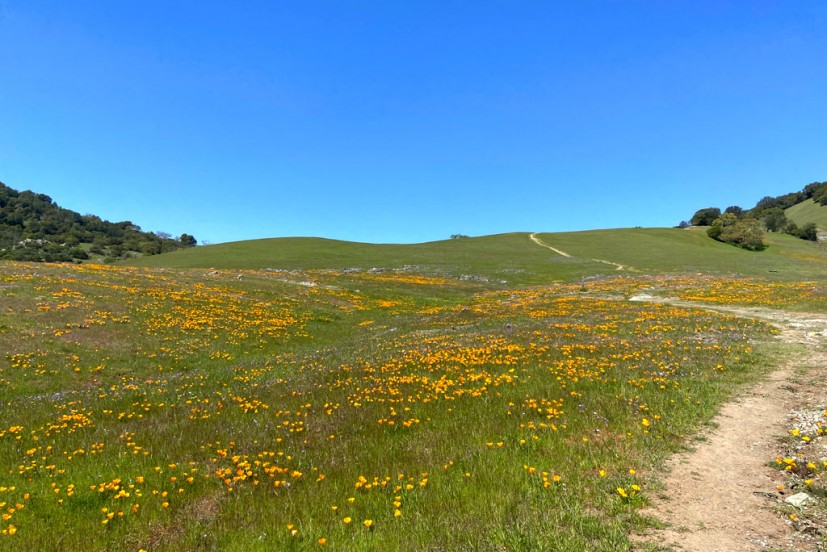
[515, 257]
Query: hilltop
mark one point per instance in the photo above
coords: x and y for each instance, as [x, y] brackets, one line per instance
[515, 258]
[34, 228]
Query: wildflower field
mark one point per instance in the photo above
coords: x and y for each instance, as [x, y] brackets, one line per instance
[174, 409]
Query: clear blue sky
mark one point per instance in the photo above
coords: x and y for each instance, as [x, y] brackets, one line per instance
[409, 121]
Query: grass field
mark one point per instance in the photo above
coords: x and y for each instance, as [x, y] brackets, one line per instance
[808, 211]
[473, 394]
[516, 259]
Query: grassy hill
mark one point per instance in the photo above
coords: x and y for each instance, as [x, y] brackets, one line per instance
[516, 258]
[808, 211]
[503, 256]
[681, 250]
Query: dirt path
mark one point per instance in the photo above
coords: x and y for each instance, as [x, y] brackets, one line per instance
[616, 265]
[722, 495]
[533, 237]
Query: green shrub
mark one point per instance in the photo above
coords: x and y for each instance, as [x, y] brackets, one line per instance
[745, 233]
[808, 232]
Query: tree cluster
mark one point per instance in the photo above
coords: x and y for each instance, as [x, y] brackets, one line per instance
[817, 191]
[34, 228]
[745, 228]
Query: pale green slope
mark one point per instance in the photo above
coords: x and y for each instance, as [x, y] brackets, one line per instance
[808, 211]
[677, 250]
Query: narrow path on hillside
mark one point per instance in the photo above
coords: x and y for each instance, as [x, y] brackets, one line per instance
[533, 237]
[616, 265]
[722, 495]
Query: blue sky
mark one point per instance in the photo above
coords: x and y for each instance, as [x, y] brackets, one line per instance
[392, 121]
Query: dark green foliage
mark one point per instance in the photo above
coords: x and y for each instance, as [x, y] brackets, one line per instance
[774, 219]
[745, 233]
[769, 211]
[734, 210]
[807, 232]
[33, 228]
[817, 191]
[187, 240]
[768, 208]
[781, 202]
[705, 217]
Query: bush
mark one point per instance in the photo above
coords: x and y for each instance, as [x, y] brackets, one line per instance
[808, 232]
[78, 253]
[735, 210]
[746, 234]
[717, 227]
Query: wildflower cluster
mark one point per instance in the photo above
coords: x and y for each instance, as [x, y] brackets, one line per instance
[802, 465]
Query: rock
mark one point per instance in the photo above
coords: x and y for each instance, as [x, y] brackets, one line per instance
[799, 499]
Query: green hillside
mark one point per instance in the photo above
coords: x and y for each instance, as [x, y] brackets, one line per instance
[808, 211]
[511, 257]
[679, 250]
[516, 258]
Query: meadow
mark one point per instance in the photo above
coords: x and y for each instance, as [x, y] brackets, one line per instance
[404, 408]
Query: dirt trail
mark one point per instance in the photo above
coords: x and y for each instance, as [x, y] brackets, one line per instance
[616, 265]
[722, 495]
[533, 237]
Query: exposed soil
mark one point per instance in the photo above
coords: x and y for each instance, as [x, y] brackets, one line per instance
[538, 241]
[722, 496]
[616, 265]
